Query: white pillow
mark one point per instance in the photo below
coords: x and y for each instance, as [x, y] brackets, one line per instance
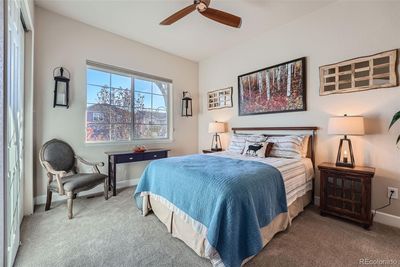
[255, 149]
[238, 141]
[289, 146]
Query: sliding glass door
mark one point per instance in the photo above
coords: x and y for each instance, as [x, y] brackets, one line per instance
[15, 122]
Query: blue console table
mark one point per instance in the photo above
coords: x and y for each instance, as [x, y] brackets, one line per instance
[119, 157]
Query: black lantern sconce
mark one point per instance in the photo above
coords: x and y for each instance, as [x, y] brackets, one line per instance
[61, 88]
[187, 105]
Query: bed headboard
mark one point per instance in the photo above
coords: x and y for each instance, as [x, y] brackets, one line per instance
[309, 129]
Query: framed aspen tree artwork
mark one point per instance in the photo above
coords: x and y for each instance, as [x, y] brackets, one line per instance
[279, 88]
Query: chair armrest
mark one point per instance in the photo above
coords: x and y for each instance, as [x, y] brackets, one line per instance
[100, 164]
[94, 165]
[57, 174]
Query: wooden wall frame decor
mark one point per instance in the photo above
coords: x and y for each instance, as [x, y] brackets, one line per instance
[221, 98]
[275, 89]
[359, 74]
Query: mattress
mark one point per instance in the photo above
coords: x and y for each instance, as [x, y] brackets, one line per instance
[297, 175]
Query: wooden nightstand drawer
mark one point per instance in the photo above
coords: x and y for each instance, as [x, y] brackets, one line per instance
[346, 192]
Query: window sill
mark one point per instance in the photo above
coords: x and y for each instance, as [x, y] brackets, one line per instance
[130, 143]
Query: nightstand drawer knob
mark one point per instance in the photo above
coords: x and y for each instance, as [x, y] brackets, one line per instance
[155, 156]
[131, 158]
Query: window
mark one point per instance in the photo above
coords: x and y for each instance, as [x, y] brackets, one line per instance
[98, 117]
[124, 106]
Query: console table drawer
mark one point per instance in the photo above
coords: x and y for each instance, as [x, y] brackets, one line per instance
[155, 155]
[129, 158]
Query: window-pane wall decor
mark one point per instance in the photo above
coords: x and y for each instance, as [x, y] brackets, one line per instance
[125, 107]
[221, 98]
[359, 74]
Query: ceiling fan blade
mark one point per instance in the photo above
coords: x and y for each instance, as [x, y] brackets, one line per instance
[222, 17]
[178, 15]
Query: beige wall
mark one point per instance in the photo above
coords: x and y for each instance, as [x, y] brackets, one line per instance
[64, 42]
[340, 31]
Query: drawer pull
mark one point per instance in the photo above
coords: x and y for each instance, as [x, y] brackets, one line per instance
[131, 158]
[155, 156]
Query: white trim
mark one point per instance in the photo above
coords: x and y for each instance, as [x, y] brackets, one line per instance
[40, 200]
[388, 219]
[29, 156]
[380, 217]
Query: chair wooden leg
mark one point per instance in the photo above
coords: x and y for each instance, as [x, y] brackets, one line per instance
[48, 200]
[70, 199]
[106, 188]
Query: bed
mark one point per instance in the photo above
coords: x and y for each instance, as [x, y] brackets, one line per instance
[227, 206]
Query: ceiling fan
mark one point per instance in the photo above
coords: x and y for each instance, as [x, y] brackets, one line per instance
[211, 13]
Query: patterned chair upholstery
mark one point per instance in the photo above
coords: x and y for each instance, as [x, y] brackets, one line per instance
[59, 160]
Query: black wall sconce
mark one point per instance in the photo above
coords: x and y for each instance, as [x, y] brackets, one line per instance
[187, 110]
[61, 88]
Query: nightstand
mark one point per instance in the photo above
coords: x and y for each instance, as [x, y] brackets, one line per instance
[346, 192]
[207, 151]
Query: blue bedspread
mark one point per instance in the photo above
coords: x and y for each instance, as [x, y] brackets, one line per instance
[232, 198]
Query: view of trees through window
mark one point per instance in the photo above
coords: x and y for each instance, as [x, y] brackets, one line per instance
[123, 107]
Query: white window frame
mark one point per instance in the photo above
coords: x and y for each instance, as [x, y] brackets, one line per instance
[133, 75]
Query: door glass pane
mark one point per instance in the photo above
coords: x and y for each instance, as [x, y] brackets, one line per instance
[14, 124]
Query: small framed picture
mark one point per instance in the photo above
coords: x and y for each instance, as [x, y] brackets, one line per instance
[221, 98]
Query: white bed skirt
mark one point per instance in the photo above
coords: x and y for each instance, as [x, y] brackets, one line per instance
[193, 233]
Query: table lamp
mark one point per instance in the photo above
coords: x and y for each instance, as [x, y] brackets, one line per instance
[216, 128]
[346, 125]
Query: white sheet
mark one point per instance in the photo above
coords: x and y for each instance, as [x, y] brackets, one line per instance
[297, 173]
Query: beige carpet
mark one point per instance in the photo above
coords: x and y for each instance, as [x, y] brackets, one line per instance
[113, 233]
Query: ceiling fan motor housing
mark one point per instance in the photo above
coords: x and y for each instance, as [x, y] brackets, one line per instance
[200, 5]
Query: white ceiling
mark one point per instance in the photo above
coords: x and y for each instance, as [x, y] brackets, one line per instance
[193, 37]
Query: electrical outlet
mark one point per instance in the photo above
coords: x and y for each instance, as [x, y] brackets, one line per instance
[395, 194]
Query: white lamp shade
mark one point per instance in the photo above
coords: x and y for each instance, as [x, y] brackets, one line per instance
[216, 127]
[346, 125]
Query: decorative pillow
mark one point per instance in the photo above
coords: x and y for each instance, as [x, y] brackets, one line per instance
[238, 141]
[268, 150]
[290, 146]
[304, 149]
[257, 149]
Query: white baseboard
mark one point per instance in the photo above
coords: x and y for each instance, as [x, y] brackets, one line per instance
[388, 219]
[39, 200]
[380, 217]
